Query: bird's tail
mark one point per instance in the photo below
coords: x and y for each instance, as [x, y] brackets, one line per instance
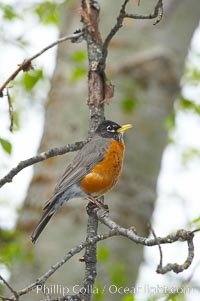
[50, 208]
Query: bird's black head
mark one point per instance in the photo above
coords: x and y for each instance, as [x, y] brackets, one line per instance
[110, 129]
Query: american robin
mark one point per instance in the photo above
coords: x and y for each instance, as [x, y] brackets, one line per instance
[93, 172]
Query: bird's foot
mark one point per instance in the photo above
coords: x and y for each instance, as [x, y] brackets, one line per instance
[97, 203]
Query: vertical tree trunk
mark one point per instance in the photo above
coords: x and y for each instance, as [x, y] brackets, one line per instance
[145, 62]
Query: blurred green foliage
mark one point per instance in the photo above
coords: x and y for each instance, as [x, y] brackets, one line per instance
[170, 297]
[128, 104]
[11, 248]
[196, 222]
[189, 154]
[176, 297]
[79, 56]
[116, 275]
[16, 120]
[80, 68]
[48, 12]
[99, 295]
[78, 73]
[128, 298]
[9, 12]
[31, 78]
[6, 145]
[170, 121]
[187, 104]
[103, 254]
[130, 89]
[192, 75]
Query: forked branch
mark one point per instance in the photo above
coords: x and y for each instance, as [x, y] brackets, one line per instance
[114, 230]
[41, 157]
[26, 64]
[157, 14]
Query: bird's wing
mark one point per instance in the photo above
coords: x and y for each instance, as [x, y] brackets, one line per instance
[90, 155]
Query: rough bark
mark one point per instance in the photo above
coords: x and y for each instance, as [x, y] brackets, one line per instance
[145, 62]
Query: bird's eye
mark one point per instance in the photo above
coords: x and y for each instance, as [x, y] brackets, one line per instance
[110, 129]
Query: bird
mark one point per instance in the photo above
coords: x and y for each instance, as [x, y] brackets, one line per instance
[93, 172]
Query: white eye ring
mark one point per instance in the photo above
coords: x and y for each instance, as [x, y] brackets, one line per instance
[110, 129]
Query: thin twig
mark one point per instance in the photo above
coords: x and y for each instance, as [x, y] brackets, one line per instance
[114, 29]
[180, 235]
[189, 279]
[5, 298]
[26, 64]
[9, 287]
[41, 280]
[41, 157]
[196, 230]
[159, 247]
[116, 230]
[158, 13]
[10, 109]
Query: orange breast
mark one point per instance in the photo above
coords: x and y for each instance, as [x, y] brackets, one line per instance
[105, 174]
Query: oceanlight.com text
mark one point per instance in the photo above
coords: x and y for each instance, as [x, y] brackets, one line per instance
[146, 289]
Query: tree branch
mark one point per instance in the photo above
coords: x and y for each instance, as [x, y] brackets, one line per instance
[41, 157]
[96, 95]
[90, 243]
[97, 53]
[159, 247]
[158, 13]
[96, 74]
[26, 64]
[9, 287]
[180, 235]
[90, 255]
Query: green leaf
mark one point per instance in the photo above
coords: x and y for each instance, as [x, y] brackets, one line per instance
[11, 248]
[78, 73]
[31, 78]
[48, 12]
[187, 104]
[192, 75]
[170, 121]
[6, 235]
[9, 252]
[6, 145]
[98, 294]
[196, 220]
[128, 104]
[9, 12]
[103, 254]
[79, 56]
[190, 154]
[128, 298]
[118, 274]
[16, 120]
[176, 297]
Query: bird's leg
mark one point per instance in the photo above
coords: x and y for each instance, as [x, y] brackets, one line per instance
[101, 199]
[98, 202]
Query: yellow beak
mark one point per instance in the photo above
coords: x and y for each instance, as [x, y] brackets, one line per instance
[124, 128]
